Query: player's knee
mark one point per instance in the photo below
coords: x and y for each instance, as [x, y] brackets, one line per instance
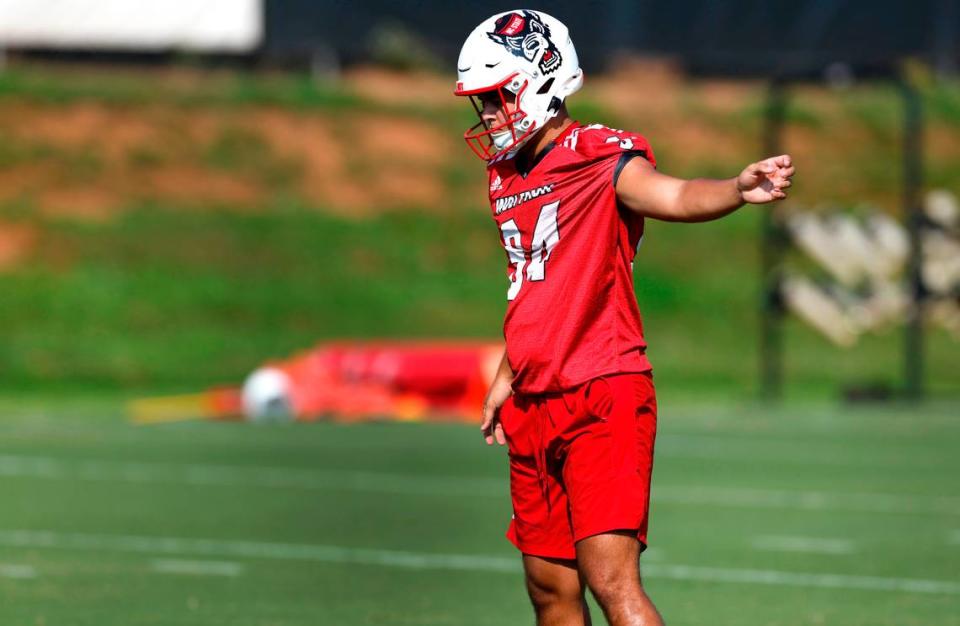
[546, 594]
[613, 584]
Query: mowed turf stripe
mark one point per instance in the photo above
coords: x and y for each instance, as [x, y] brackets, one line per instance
[813, 545]
[15, 570]
[257, 476]
[451, 486]
[256, 550]
[426, 561]
[196, 568]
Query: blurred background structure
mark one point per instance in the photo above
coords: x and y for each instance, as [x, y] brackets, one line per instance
[190, 189]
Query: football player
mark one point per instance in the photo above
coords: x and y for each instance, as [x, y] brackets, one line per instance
[573, 398]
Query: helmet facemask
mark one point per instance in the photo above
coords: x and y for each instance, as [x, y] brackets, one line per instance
[488, 140]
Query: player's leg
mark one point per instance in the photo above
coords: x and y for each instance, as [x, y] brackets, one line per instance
[607, 473]
[609, 563]
[540, 525]
[556, 591]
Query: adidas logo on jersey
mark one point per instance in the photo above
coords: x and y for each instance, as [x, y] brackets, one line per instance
[508, 202]
[496, 185]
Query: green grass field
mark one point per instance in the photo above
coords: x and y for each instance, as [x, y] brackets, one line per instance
[812, 515]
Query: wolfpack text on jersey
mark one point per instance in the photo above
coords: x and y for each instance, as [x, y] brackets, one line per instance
[506, 203]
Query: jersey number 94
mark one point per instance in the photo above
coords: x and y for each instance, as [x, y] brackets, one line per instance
[530, 263]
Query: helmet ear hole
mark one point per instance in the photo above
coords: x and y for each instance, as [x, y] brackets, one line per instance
[545, 87]
[555, 103]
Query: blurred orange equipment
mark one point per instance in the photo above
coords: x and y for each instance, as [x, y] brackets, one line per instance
[386, 380]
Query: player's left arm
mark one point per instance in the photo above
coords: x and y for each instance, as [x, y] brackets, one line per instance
[644, 190]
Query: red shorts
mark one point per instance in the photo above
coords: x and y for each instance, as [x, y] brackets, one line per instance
[580, 463]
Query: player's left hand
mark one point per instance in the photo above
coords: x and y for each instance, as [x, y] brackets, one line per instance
[491, 428]
[766, 180]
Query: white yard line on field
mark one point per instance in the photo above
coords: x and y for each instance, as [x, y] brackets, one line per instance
[780, 451]
[862, 502]
[801, 579]
[14, 570]
[431, 561]
[196, 568]
[450, 486]
[815, 545]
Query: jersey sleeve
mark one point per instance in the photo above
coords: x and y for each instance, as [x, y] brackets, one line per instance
[599, 143]
[614, 149]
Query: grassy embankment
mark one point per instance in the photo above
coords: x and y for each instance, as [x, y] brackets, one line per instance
[177, 240]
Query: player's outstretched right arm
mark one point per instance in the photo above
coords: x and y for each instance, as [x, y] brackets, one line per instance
[500, 389]
[644, 190]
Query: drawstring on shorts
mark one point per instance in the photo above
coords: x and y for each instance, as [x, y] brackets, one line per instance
[542, 415]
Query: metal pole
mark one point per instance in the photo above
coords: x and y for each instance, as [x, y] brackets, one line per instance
[624, 27]
[945, 38]
[771, 258]
[913, 213]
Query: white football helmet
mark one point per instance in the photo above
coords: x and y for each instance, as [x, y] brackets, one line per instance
[528, 54]
[266, 396]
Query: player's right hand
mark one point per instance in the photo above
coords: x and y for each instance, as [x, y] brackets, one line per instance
[499, 391]
[766, 180]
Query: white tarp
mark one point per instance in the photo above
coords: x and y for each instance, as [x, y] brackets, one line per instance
[134, 25]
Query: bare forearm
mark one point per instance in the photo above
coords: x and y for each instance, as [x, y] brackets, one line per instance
[650, 193]
[504, 372]
[704, 199]
[500, 389]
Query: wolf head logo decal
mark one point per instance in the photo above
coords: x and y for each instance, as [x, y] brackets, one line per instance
[525, 35]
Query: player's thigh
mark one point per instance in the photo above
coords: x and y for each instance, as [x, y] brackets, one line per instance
[610, 556]
[518, 418]
[609, 562]
[540, 524]
[618, 421]
[608, 465]
[552, 580]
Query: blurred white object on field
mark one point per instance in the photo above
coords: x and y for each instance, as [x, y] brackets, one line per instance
[266, 396]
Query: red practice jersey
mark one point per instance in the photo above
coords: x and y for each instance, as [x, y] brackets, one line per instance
[572, 314]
